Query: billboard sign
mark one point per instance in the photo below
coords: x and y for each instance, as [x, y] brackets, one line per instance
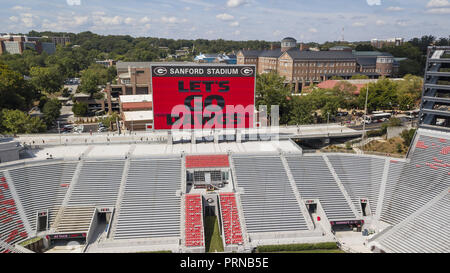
[203, 96]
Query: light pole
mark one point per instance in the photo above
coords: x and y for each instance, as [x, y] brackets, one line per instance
[328, 121]
[365, 114]
[59, 132]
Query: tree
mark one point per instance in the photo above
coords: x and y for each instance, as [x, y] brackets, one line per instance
[18, 122]
[94, 76]
[382, 95]
[48, 79]
[301, 112]
[80, 109]
[410, 67]
[51, 111]
[359, 77]
[15, 91]
[408, 136]
[364, 47]
[271, 90]
[331, 108]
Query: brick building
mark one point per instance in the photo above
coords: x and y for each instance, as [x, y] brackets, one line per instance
[16, 44]
[379, 43]
[133, 78]
[302, 67]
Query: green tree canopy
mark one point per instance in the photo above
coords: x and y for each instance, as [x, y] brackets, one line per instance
[15, 91]
[48, 79]
[94, 76]
[80, 109]
[18, 122]
[301, 112]
[271, 90]
[51, 111]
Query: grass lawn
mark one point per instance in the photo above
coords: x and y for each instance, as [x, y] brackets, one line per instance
[213, 240]
[394, 145]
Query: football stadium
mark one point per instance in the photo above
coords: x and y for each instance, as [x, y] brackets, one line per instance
[178, 194]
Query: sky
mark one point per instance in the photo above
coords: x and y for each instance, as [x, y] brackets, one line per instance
[270, 20]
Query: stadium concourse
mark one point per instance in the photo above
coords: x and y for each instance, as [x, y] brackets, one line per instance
[140, 197]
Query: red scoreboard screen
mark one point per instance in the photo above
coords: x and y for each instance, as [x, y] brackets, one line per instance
[203, 96]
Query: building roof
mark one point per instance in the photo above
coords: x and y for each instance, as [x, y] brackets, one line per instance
[207, 161]
[135, 98]
[251, 53]
[339, 47]
[137, 105]
[371, 54]
[81, 95]
[138, 115]
[289, 39]
[320, 55]
[367, 61]
[274, 53]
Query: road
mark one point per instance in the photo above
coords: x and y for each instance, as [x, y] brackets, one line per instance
[375, 126]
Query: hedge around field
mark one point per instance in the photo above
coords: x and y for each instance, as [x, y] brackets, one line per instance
[296, 247]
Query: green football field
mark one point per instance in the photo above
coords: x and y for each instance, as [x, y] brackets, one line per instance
[213, 240]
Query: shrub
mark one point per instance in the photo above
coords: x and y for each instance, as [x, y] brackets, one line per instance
[296, 247]
[80, 109]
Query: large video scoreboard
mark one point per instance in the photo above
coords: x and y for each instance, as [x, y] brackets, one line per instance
[203, 96]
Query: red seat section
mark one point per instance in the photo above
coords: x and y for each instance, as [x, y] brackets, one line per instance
[230, 219]
[207, 161]
[421, 145]
[193, 222]
[445, 150]
[11, 226]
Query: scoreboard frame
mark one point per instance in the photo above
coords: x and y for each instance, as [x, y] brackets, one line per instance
[202, 72]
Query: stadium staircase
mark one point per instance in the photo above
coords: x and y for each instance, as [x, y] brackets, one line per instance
[314, 180]
[341, 186]
[300, 201]
[268, 201]
[75, 219]
[194, 226]
[238, 191]
[382, 190]
[59, 209]
[230, 219]
[361, 177]
[149, 205]
[123, 182]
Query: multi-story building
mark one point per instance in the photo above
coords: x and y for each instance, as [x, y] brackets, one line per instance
[136, 112]
[60, 40]
[133, 78]
[106, 63]
[16, 44]
[435, 105]
[301, 66]
[379, 43]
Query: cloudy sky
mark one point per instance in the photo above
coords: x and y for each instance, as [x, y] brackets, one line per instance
[319, 20]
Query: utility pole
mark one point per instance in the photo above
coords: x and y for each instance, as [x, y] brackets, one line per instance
[365, 114]
[59, 132]
[328, 121]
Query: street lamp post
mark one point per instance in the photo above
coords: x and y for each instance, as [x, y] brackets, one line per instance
[365, 114]
[59, 132]
[328, 121]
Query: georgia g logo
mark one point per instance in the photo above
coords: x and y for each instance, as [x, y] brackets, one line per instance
[160, 71]
[247, 71]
